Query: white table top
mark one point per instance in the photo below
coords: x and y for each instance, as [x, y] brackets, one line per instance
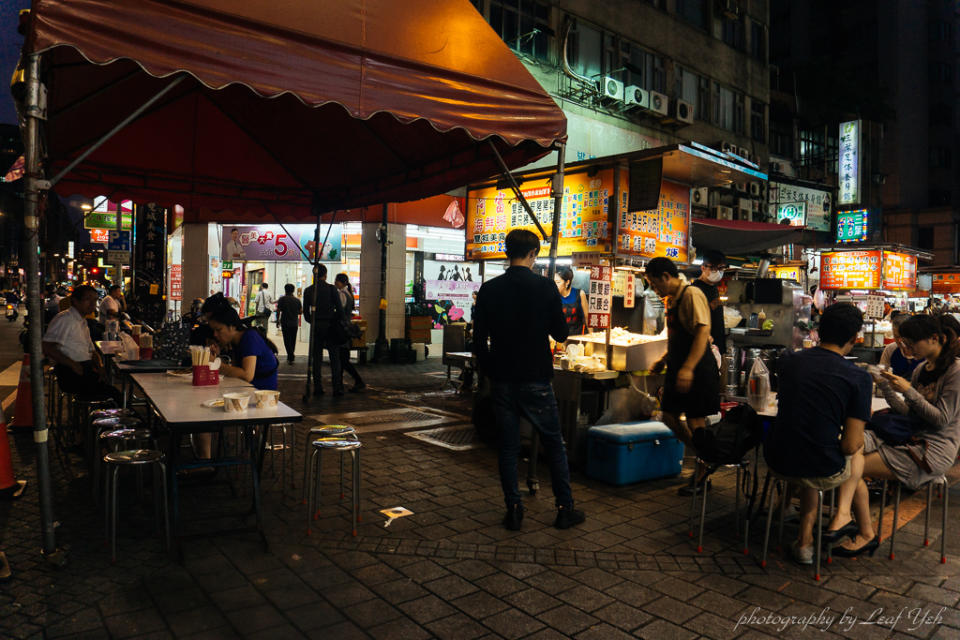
[877, 404]
[180, 403]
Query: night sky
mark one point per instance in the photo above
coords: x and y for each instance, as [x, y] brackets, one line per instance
[10, 42]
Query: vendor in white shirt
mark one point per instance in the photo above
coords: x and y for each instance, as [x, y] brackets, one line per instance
[112, 304]
[67, 343]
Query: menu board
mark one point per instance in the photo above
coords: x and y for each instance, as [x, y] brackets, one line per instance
[599, 298]
[899, 271]
[850, 270]
[853, 226]
[660, 232]
[584, 226]
[945, 283]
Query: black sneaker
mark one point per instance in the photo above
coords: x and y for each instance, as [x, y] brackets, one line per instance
[568, 517]
[514, 517]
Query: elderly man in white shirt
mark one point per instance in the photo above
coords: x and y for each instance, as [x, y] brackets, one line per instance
[112, 304]
[67, 343]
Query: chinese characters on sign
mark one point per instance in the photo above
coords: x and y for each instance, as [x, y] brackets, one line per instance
[150, 253]
[853, 226]
[660, 232]
[599, 297]
[849, 168]
[492, 212]
[629, 292]
[176, 282]
[850, 270]
[794, 212]
[899, 271]
[818, 204]
[274, 243]
[461, 290]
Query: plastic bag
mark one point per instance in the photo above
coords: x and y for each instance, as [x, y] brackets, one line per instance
[758, 385]
[130, 349]
[628, 405]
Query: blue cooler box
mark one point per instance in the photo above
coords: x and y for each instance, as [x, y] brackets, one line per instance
[626, 453]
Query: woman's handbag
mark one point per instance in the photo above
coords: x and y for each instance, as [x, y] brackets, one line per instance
[893, 428]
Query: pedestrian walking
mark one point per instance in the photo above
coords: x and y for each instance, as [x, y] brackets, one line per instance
[325, 317]
[692, 384]
[517, 313]
[289, 308]
[345, 289]
[263, 306]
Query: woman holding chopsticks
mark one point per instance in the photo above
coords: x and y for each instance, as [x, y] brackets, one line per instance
[257, 361]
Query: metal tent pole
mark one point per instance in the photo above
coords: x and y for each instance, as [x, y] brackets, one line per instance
[533, 483]
[33, 184]
[381, 348]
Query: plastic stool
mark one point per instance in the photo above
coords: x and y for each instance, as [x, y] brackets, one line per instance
[134, 458]
[342, 444]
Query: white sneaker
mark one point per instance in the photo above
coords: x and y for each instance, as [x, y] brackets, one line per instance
[801, 555]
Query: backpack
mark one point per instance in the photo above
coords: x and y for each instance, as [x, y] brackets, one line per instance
[730, 439]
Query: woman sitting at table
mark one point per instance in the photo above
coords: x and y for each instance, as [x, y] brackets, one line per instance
[257, 361]
[893, 355]
[931, 399]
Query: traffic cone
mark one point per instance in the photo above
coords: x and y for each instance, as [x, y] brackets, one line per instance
[10, 488]
[23, 409]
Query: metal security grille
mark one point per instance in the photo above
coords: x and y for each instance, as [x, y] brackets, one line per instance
[377, 417]
[456, 438]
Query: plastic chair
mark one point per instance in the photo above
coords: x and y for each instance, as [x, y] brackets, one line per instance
[944, 488]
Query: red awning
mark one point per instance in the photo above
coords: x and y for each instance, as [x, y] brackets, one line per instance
[286, 102]
[738, 237]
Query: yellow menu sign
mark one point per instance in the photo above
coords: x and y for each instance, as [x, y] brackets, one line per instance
[584, 226]
[660, 232]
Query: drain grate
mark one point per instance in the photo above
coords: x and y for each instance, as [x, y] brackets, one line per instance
[389, 419]
[392, 416]
[456, 438]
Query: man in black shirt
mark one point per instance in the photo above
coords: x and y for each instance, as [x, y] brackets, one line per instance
[517, 312]
[711, 273]
[327, 312]
[289, 308]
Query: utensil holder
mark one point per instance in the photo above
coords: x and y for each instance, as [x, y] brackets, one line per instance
[204, 377]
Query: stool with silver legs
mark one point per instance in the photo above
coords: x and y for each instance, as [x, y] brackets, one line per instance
[273, 447]
[116, 433]
[743, 470]
[347, 443]
[134, 458]
[818, 524]
[322, 431]
[944, 486]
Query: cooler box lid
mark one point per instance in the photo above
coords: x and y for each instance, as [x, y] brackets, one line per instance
[631, 432]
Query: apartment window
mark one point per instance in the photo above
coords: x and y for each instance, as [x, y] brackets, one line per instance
[686, 87]
[659, 82]
[938, 197]
[585, 50]
[940, 73]
[523, 24]
[738, 113]
[693, 11]
[733, 34]
[642, 68]
[941, 114]
[703, 99]
[758, 41]
[925, 238]
[940, 157]
[724, 114]
[758, 120]
[812, 146]
[781, 139]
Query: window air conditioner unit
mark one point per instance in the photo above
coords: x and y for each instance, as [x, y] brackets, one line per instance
[699, 196]
[727, 147]
[776, 167]
[683, 111]
[611, 90]
[756, 207]
[745, 214]
[741, 186]
[746, 204]
[635, 97]
[744, 153]
[755, 188]
[722, 213]
[659, 103]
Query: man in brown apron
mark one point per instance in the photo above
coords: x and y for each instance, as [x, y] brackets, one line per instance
[692, 384]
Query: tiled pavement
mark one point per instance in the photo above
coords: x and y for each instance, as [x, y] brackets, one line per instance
[451, 570]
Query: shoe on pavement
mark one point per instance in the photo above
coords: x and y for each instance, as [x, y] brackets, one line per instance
[568, 517]
[802, 555]
[514, 517]
[358, 387]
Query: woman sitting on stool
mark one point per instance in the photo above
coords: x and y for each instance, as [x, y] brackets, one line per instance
[257, 360]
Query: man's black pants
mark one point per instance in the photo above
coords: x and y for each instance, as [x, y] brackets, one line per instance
[289, 340]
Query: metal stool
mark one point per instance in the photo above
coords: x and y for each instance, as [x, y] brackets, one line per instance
[134, 458]
[818, 525]
[323, 431]
[742, 466]
[125, 432]
[944, 487]
[282, 447]
[342, 444]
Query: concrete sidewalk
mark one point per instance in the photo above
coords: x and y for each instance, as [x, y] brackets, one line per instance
[451, 570]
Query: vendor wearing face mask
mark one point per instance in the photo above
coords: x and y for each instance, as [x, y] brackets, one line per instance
[711, 273]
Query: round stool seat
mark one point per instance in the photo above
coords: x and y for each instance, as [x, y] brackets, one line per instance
[332, 430]
[340, 444]
[120, 422]
[134, 456]
[127, 434]
[112, 413]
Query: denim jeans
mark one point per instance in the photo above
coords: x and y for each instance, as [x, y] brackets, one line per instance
[535, 402]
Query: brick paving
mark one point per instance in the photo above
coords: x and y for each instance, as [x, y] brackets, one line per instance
[451, 570]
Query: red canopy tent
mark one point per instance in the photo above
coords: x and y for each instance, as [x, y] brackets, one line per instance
[285, 103]
[277, 108]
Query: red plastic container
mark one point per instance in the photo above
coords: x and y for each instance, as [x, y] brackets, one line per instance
[204, 377]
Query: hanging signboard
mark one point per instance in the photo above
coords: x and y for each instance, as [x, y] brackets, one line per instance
[851, 270]
[599, 297]
[853, 226]
[945, 283]
[630, 292]
[273, 243]
[849, 168]
[661, 232]
[176, 282]
[100, 236]
[492, 212]
[795, 213]
[104, 216]
[790, 272]
[899, 271]
[150, 257]
[118, 257]
[819, 204]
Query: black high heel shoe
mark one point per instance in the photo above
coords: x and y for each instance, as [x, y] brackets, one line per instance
[869, 548]
[848, 530]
